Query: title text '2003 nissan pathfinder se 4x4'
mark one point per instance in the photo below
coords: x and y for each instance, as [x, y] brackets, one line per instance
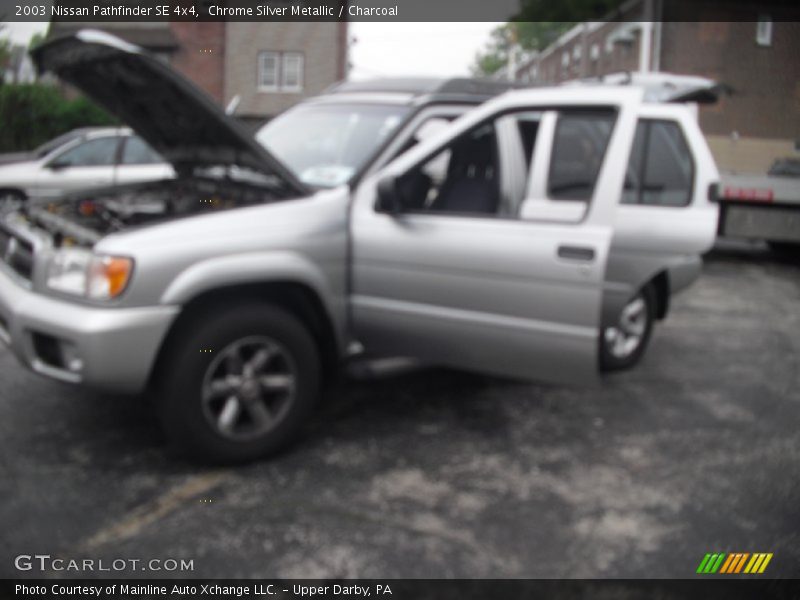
[538, 235]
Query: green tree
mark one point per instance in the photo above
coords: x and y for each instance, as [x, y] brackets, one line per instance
[33, 113]
[36, 40]
[5, 51]
[527, 35]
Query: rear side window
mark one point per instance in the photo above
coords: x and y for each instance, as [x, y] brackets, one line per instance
[579, 146]
[660, 170]
[98, 152]
[137, 152]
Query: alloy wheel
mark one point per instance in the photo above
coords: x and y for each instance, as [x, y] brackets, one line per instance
[248, 388]
[626, 336]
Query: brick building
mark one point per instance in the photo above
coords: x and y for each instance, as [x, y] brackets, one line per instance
[755, 53]
[266, 66]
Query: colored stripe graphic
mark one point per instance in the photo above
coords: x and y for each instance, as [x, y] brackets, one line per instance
[711, 563]
[718, 562]
[734, 562]
[731, 563]
[764, 564]
[703, 563]
[754, 563]
[740, 564]
[727, 565]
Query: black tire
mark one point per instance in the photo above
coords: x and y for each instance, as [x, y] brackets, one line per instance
[182, 411]
[611, 361]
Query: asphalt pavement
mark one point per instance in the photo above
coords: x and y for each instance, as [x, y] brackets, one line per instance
[435, 473]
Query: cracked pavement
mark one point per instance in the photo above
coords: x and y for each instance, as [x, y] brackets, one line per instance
[435, 473]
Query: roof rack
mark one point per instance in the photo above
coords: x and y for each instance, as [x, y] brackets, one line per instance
[662, 86]
[418, 86]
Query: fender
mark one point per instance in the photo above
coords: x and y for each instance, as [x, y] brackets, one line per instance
[256, 267]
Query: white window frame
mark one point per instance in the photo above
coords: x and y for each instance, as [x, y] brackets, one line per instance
[764, 31]
[262, 57]
[595, 52]
[565, 58]
[286, 57]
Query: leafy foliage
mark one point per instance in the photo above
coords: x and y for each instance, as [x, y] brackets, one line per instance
[537, 24]
[528, 35]
[32, 114]
[5, 53]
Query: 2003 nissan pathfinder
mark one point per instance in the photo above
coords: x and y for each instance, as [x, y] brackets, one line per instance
[538, 235]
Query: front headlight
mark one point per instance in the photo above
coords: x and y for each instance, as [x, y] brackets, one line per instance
[83, 273]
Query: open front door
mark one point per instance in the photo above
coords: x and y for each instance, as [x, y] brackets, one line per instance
[459, 262]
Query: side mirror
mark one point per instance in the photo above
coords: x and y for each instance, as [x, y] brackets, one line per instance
[57, 165]
[388, 198]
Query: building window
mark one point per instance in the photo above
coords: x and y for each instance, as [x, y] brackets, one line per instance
[292, 75]
[268, 71]
[595, 52]
[764, 31]
[280, 72]
[565, 59]
[576, 53]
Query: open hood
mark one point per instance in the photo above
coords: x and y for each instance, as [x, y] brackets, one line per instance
[176, 118]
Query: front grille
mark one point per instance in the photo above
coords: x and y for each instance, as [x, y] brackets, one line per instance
[17, 254]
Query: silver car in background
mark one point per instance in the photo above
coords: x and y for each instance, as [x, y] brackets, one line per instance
[86, 158]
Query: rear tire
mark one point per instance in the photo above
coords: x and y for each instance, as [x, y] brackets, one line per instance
[622, 344]
[238, 386]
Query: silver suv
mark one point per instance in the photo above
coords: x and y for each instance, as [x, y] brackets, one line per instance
[539, 235]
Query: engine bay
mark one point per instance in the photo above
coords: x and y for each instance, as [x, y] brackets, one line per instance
[83, 218]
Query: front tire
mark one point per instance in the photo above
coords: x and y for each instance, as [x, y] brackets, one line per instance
[622, 344]
[238, 386]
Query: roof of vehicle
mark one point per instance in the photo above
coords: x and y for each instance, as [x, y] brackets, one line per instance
[661, 87]
[100, 131]
[420, 90]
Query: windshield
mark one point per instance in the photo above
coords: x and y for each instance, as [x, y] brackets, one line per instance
[325, 145]
[57, 142]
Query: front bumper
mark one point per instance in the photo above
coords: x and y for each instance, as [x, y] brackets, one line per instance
[113, 349]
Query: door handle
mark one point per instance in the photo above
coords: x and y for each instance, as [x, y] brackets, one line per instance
[576, 253]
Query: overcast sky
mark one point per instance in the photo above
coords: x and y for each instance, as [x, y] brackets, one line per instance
[383, 49]
[397, 49]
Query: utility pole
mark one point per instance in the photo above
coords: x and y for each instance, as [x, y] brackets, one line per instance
[512, 53]
[646, 37]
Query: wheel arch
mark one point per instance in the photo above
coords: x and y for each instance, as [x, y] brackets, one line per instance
[660, 283]
[296, 297]
[13, 190]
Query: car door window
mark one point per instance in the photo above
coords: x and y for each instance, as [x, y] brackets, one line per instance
[137, 152]
[427, 128]
[463, 178]
[99, 152]
[579, 146]
[660, 170]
